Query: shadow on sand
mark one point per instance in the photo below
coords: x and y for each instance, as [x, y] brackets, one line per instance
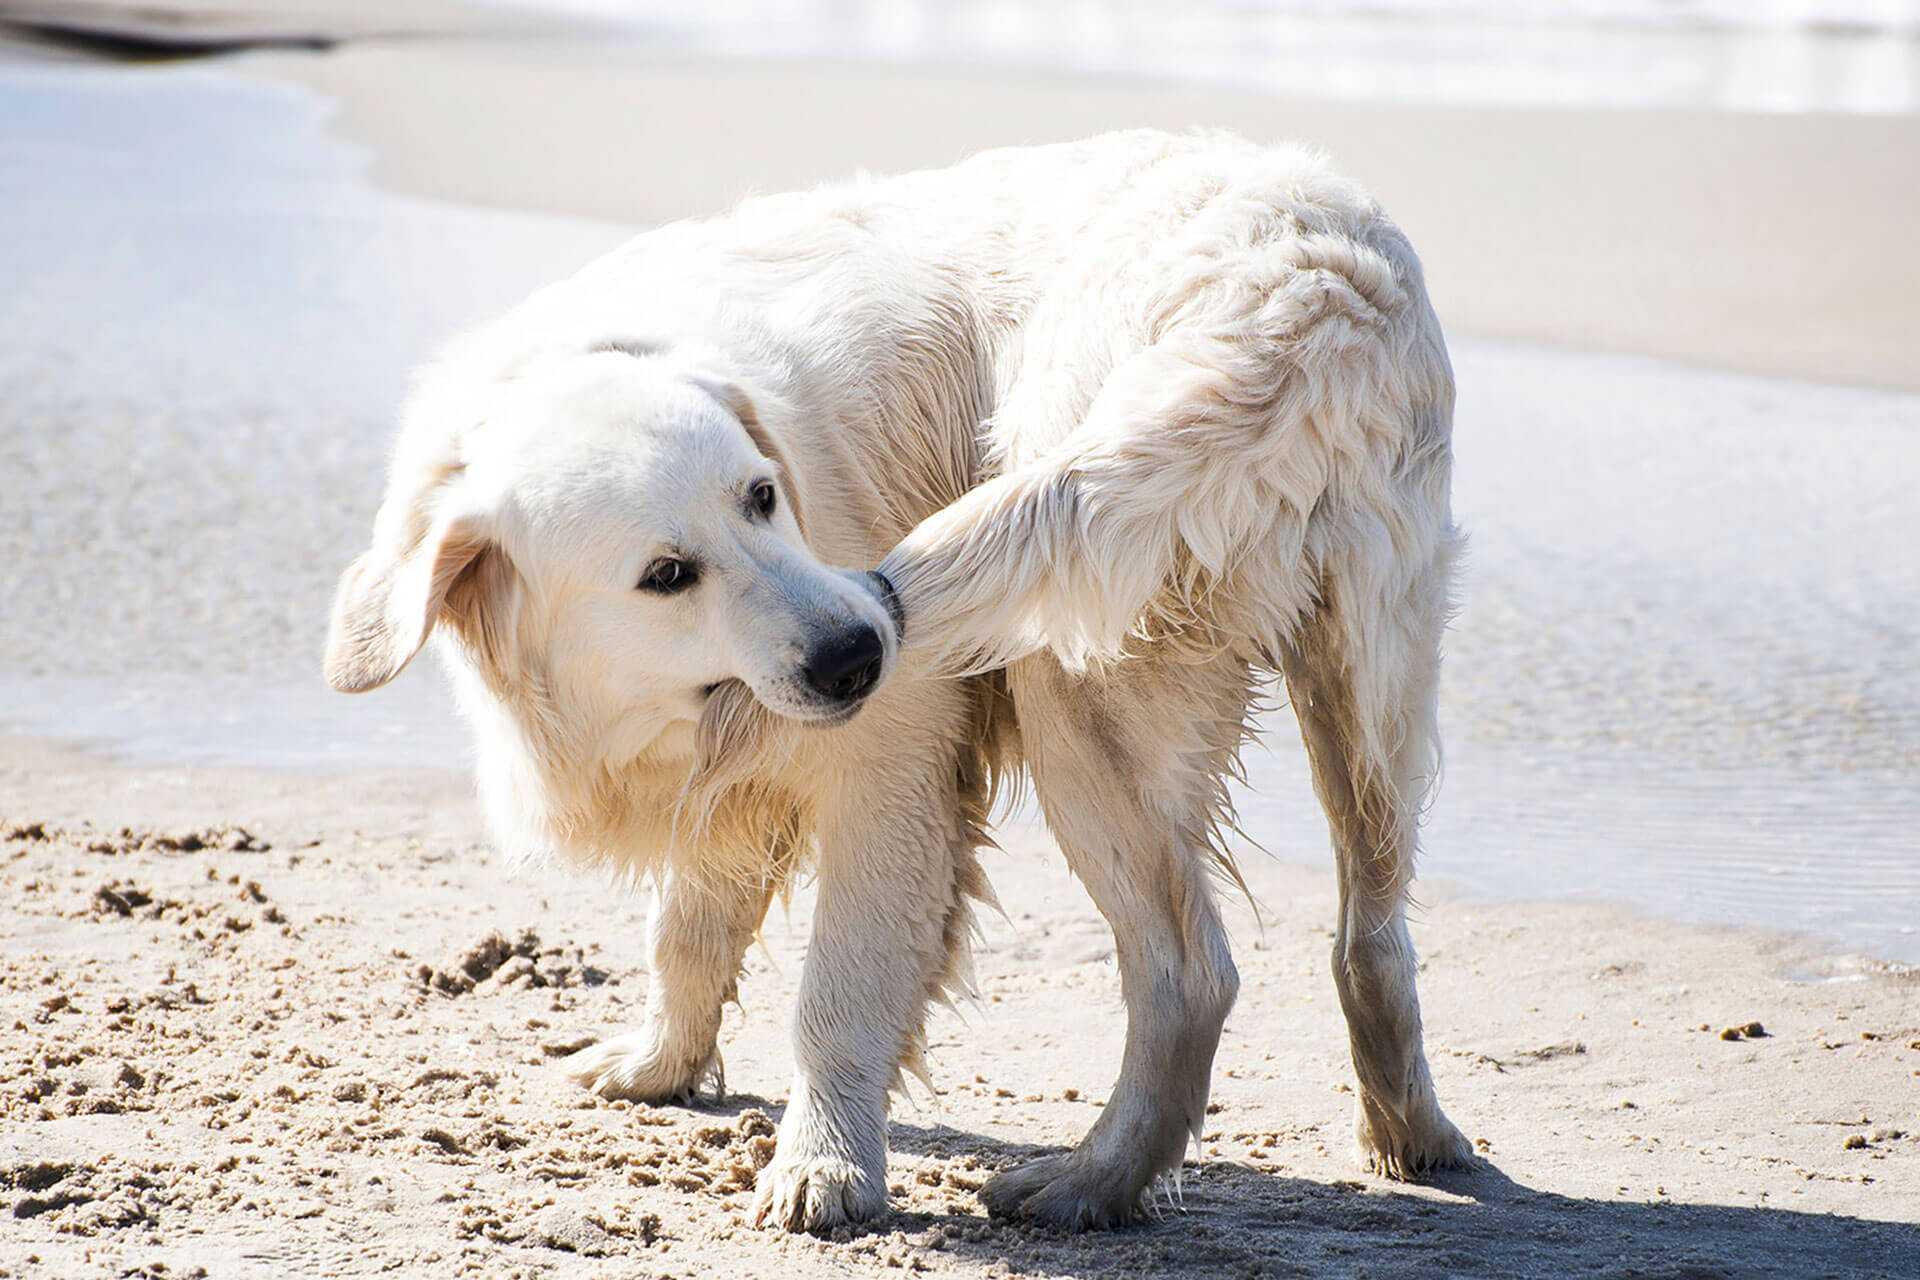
[1242, 1221]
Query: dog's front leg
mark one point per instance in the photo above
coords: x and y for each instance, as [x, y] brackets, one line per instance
[895, 864]
[697, 932]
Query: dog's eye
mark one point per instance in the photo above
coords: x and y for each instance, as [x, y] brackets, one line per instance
[764, 497]
[666, 576]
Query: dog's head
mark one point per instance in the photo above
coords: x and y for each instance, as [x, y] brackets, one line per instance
[614, 534]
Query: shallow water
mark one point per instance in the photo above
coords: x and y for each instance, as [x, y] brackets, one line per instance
[206, 328]
[1682, 677]
[1727, 55]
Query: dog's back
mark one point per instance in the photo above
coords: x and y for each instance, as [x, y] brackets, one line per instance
[925, 331]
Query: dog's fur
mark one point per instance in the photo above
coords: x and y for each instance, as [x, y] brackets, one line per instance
[1127, 425]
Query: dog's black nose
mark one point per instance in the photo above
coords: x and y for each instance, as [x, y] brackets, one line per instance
[847, 665]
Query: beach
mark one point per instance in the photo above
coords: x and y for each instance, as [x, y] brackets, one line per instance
[1652, 231]
[260, 1021]
[249, 1049]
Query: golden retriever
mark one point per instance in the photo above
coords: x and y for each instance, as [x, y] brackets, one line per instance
[1126, 426]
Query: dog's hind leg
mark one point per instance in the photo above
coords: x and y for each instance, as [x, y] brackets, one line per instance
[1362, 669]
[1128, 763]
[697, 933]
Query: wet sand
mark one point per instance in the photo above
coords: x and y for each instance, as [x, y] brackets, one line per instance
[224, 1052]
[1769, 244]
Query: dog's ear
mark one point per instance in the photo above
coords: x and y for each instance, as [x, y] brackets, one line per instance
[424, 549]
[734, 398]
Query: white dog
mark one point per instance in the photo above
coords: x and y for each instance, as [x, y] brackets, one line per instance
[1126, 425]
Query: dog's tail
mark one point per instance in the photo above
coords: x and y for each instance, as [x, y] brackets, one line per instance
[1202, 472]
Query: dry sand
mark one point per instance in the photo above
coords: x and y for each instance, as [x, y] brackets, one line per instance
[285, 1030]
[238, 1030]
[1771, 244]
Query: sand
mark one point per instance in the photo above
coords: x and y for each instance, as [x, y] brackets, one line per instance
[274, 1023]
[287, 1031]
[1772, 244]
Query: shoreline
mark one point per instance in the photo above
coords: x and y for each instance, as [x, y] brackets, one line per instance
[88, 785]
[1723, 830]
[1673, 261]
[1832, 743]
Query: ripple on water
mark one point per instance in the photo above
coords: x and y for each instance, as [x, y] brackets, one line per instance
[1832, 854]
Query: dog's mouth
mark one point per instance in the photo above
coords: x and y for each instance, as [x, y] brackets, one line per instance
[836, 716]
[819, 714]
[735, 696]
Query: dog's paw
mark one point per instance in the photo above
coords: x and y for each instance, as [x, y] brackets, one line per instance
[637, 1068]
[817, 1194]
[1425, 1144]
[1064, 1193]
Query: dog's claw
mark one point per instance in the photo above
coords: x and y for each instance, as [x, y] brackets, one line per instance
[633, 1067]
[1408, 1155]
[1062, 1193]
[816, 1195]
